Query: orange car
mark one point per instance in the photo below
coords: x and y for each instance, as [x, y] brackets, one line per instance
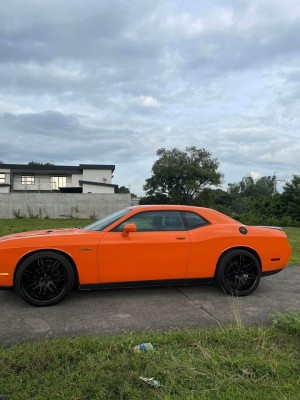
[142, 246]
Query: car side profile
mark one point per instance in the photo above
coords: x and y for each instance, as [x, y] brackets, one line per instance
[142, 246]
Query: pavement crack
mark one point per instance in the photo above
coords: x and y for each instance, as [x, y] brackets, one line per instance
[212, 315]
[185, 295]
[202, 308]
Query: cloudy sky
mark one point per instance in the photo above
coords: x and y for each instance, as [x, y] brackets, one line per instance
[94, 81]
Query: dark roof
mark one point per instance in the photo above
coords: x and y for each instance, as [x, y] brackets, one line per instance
[71, 168]
[98, 184]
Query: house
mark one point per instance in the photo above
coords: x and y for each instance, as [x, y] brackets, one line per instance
[84, 178]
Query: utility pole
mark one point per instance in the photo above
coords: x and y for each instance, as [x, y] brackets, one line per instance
[275, 182]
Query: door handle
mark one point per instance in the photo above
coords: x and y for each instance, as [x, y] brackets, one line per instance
[180, 238]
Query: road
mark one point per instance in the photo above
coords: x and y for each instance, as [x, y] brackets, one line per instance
[116, 311]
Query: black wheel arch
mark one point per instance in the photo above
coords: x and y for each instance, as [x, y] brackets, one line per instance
[249, 249]
[76, 277]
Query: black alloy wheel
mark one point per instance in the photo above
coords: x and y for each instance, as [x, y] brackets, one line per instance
[238, 272]
[44, 278]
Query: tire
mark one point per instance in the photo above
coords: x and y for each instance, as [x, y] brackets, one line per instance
[238, 272]
[44, 278]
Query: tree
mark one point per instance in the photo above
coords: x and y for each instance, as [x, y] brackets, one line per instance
[249, 187]
[122, 189]
[181, 176]
[39, 163]
[290, 198]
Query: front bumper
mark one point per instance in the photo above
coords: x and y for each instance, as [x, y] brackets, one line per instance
[6, 287]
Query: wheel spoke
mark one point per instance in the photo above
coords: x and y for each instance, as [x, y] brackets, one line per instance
[31, 286]
[231, 263]
[235, 283]
[54, 287]
[41, 265]
[28, 274]
[249, 265]
[230, 274]
[59, 279]
[241, 260]
[54, 266]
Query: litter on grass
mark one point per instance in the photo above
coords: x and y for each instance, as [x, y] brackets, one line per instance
[143, 347]
[150, 381]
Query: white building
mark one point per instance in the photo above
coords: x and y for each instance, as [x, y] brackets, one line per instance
[85, 178]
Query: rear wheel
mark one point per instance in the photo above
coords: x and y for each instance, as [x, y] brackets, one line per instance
[44, 278]
[238, 272]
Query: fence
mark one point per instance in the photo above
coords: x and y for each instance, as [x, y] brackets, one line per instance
[61, 205]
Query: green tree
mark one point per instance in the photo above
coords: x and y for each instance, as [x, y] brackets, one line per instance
[290, 198]
[122, 189]
[39, 163]
[249, 187]
[180, 176]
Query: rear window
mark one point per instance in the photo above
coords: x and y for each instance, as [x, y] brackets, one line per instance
[193, 220]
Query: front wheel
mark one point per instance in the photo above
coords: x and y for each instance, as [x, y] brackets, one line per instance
[238, 272]
[44, 278]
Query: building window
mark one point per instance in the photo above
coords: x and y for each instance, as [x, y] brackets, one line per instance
[58, 182]
[2, 178]
[28, 180]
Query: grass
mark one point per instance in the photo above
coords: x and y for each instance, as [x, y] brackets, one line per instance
[293, 235]
[219, 363]
[8, 226]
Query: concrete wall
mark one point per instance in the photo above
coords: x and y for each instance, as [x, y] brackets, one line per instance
[61, 205]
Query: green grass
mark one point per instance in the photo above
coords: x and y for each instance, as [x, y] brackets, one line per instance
[8, 226]
[293, 235]
[217, 363]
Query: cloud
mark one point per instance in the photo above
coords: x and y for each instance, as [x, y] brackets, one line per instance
[148, 102]
[114, 81]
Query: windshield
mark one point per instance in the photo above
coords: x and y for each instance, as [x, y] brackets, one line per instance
[106, 221]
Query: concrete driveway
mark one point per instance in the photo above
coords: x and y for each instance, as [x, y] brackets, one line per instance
[116, 311]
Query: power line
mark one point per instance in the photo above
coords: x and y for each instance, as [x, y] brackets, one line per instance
[276, 182]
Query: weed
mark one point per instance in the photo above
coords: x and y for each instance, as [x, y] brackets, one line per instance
[289, 322]
[17, 214]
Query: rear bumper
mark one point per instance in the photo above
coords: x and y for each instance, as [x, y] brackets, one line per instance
[272, 272]
[6, 287]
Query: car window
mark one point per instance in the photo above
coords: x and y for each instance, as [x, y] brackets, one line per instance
[154, 221]
[193, 220]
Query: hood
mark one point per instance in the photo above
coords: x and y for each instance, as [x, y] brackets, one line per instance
[48, 232]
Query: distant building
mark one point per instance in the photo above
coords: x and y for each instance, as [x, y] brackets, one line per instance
[85, 178]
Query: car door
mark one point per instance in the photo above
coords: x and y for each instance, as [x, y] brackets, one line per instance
[159, 249]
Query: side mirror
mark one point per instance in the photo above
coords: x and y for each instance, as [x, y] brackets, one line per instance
[128, 228]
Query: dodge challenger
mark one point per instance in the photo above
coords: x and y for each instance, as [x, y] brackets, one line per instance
[142, 246]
